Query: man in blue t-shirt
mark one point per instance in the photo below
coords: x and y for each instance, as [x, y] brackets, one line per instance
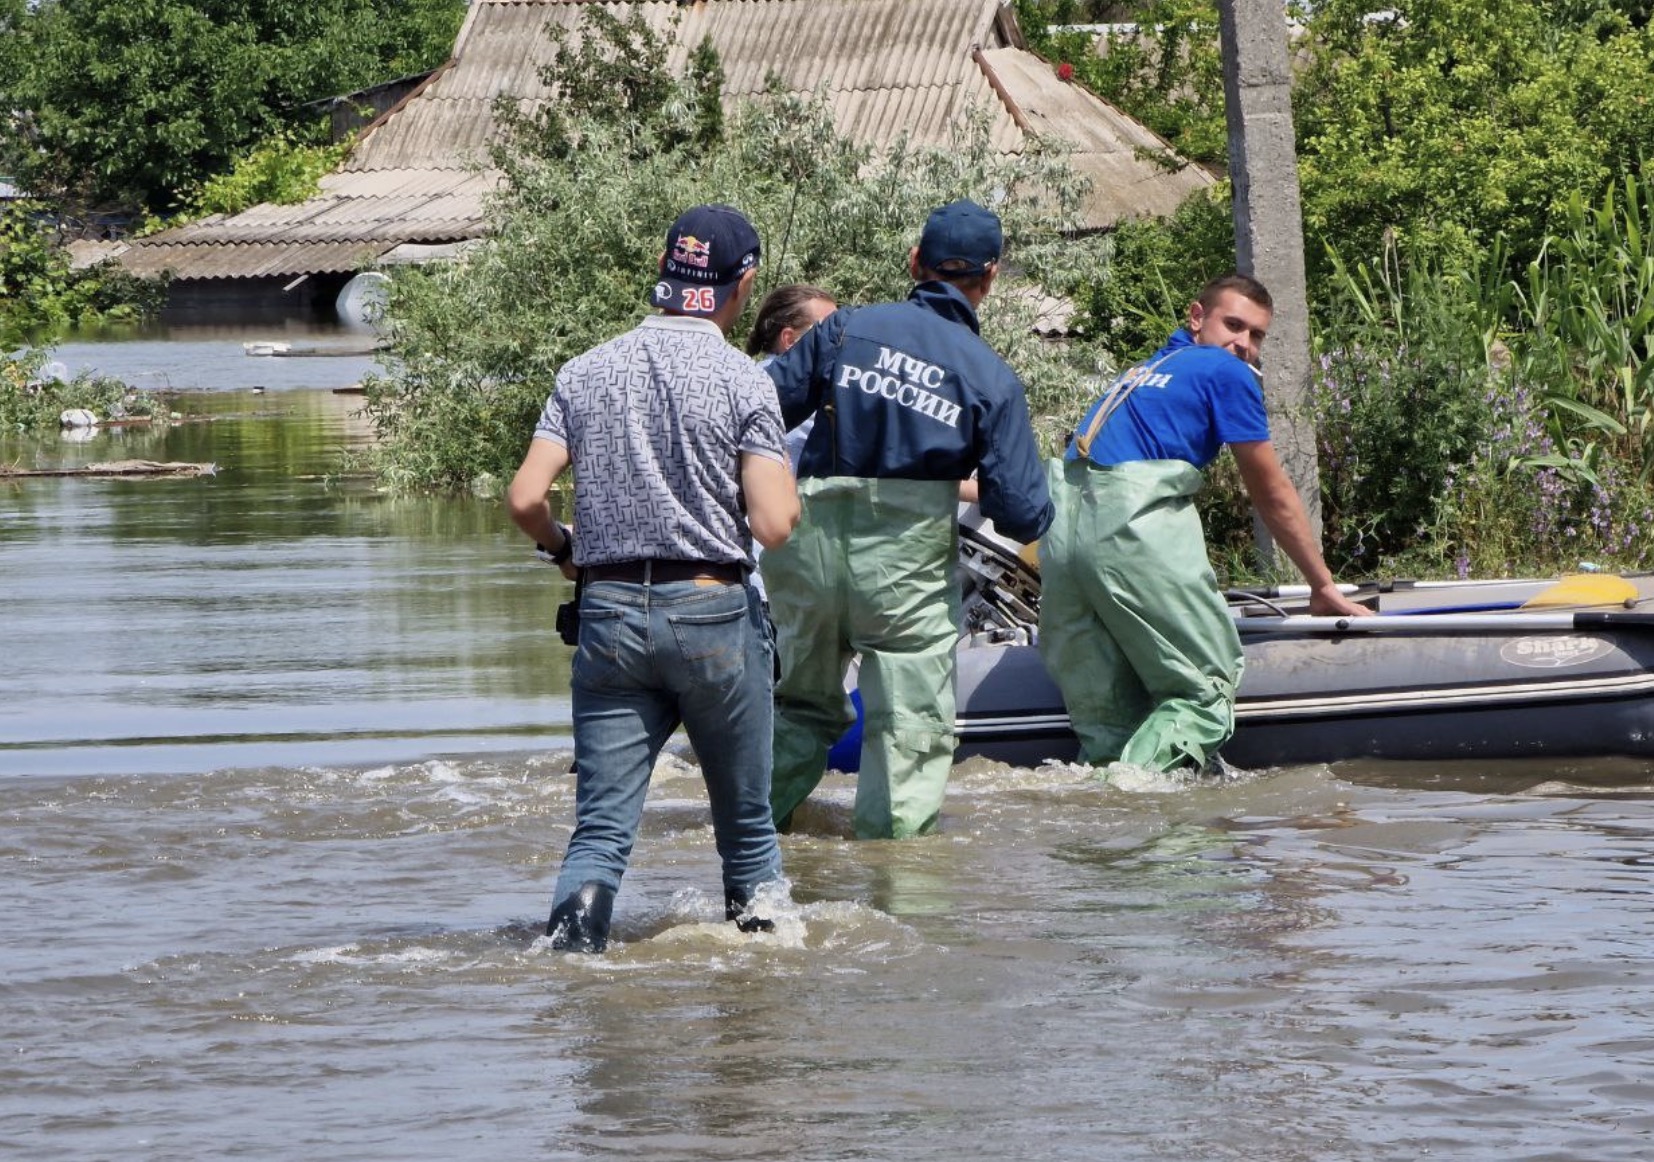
[1133, 628]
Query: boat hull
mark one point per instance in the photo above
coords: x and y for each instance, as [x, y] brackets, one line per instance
[1523, 689]
[1473, 669]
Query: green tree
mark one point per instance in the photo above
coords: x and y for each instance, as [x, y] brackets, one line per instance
[279, 170]
[612, 76]
[1163, 66]
[1445, 124]
[131, 103]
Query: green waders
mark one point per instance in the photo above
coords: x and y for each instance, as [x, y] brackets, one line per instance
[869, 570]
[1133, 628]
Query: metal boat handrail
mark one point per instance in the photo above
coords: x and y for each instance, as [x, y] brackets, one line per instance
[1402, 623]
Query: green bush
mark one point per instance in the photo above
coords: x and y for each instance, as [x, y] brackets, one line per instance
[474, 346]
[40, 295]
[1400, 397]
[29, 403]
[1153, 268]
[1514, 508]
[1586, 313]
[1452, 440]
[1439, 125]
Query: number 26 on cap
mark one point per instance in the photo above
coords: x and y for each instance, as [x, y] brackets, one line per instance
[699, 298]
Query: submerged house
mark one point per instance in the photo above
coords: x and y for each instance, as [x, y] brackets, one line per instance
[412, 189]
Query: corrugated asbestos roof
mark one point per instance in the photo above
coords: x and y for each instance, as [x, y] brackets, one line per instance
[1114, 150]
[889, 66]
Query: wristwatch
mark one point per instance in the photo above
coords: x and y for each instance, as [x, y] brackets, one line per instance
[562, 554]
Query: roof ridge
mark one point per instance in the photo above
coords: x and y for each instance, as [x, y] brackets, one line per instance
[887, 68]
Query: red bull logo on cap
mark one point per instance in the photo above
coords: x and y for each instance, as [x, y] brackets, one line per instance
[708, 249]
[692, 251]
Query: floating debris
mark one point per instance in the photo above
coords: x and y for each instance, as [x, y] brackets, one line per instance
[274, 348]
[118, 468]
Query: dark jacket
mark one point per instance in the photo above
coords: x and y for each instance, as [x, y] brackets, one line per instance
[910, 391]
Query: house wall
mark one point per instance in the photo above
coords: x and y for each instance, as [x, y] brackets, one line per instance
[354, 111]
[253, 300]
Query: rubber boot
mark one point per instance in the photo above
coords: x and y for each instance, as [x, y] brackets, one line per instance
[736, 902]
[580, 923]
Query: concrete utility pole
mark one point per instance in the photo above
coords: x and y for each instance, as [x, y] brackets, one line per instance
[1269, 230]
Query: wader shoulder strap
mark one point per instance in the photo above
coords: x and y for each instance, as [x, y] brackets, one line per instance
[1117, 393]
[827, 407]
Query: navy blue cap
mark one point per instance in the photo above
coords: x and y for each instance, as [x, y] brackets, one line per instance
[961, 238]
[708, 249]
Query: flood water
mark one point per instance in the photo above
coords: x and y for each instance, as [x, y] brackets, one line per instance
[284, 783]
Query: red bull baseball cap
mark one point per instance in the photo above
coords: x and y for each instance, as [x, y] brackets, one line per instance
[961, 238]
[708, 249]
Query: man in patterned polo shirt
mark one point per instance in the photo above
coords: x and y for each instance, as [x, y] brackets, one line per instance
[680, 462]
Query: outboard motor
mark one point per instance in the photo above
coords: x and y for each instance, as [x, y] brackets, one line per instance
[999, 584]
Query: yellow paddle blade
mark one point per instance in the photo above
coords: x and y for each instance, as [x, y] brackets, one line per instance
[1584, 589]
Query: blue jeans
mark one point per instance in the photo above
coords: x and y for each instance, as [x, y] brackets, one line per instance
[651, 657]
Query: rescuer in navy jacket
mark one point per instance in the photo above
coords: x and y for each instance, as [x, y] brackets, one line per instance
[916, 394]
[908, 401]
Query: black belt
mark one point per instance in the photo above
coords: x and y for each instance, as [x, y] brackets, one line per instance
[661, 572]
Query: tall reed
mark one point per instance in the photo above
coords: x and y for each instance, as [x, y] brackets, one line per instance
[1586, 319]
